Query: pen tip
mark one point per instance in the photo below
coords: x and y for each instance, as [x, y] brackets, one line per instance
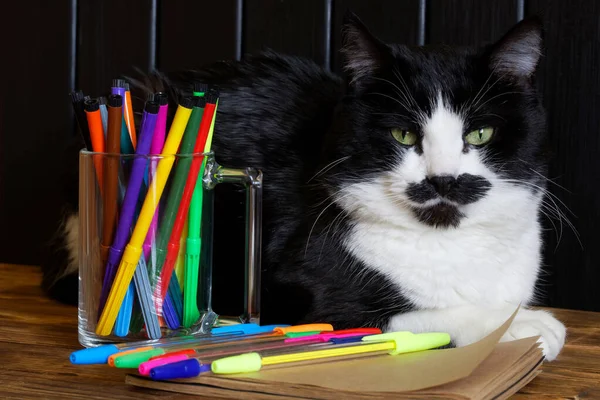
[162, 98]
[187, 102]
[200, 87]
[120, 83]
[115, 100]
[92, 105]
[77, 96]
[151, 107]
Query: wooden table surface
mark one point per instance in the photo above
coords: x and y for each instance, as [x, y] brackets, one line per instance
[37, 335]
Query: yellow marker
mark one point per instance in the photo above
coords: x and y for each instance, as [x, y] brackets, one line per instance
[387, 343]
[133, 251]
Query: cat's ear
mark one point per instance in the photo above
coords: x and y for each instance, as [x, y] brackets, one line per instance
[517, 54]
[363, 52]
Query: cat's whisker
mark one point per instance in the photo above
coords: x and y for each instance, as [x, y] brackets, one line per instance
[399, 92]
[551, 197]
[493, 98]
[317, 220]
[475, 104]
[398, 76]
[328, 227]
[403, 105]
[329, 166]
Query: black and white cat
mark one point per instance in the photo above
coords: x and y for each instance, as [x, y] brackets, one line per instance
[406, 196]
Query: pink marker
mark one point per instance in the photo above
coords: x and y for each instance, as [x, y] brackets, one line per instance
[145, 367]
[158, 141]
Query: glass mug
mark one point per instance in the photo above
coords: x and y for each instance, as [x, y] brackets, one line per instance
[146, 208]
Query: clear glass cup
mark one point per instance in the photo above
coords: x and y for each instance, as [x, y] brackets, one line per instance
[121, 205]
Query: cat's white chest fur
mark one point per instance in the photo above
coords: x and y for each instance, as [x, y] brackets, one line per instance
[483, 261]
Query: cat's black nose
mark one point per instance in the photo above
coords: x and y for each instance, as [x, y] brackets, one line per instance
[442, 184]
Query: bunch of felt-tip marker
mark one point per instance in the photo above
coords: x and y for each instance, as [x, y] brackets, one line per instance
[249, 347]
[150, 180]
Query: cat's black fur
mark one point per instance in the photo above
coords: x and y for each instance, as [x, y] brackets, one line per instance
[291, 118]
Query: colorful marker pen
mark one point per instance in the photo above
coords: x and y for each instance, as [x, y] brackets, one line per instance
[388, 343]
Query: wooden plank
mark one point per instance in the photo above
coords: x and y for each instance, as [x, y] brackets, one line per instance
[392, 21]
[287, 26]
[194, 33]
[36, 122]
[469, 22]
[569, 79]
[115, 38]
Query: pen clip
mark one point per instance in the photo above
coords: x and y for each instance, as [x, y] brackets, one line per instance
[406, 342]
[234, 329]
[246, 329]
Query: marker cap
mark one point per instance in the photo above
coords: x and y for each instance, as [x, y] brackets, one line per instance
[134, 360]
[147, 366]
[245, 329]
[248, 362]
[93, 355]
[181, 369]
[406, 342]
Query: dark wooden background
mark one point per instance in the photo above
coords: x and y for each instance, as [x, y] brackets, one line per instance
[52, 47]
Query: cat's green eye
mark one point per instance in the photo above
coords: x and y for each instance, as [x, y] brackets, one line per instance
[404, 136]
[480, 136]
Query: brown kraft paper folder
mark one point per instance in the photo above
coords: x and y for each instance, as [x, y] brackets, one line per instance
[483, 370]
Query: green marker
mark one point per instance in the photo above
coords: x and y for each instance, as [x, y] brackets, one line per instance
[194, 242]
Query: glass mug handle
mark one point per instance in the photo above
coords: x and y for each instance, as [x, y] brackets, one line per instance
[252, 180]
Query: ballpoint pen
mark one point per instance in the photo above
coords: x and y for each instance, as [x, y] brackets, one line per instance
[387, 343]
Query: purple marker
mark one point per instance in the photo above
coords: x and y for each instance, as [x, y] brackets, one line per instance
[158, 141]
[131, 196]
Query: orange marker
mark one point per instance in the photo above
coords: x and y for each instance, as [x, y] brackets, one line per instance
[94, 119]
[128, 113]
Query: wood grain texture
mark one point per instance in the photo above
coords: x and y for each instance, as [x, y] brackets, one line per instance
[194, 33]
[35, 122]
[288, 26]
[114, 39]
[569, 79]
[469, 22]
[37, 335]
[392, 21]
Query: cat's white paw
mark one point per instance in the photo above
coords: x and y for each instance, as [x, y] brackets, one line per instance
[529, 323]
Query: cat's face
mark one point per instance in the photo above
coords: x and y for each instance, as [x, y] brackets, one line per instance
[436, 133]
